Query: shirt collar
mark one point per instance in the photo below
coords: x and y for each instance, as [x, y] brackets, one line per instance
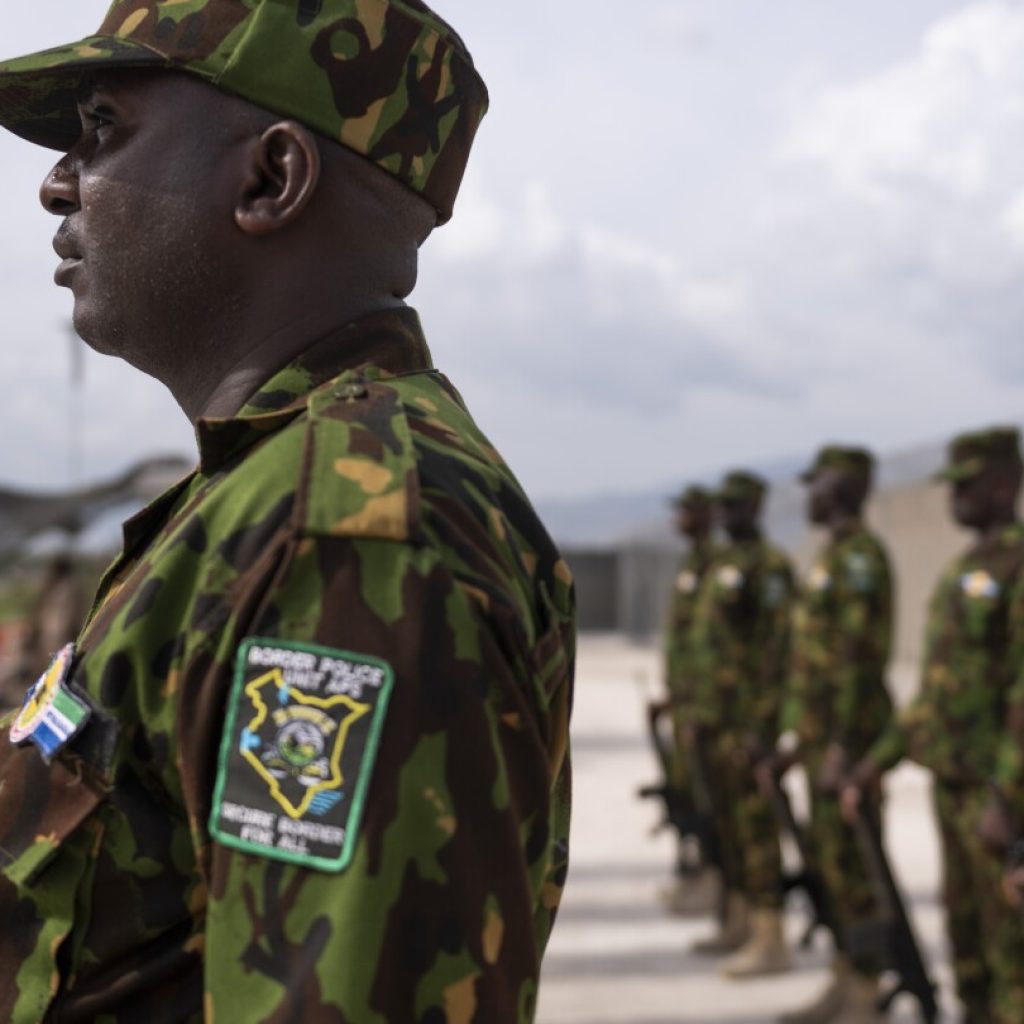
[385, 344]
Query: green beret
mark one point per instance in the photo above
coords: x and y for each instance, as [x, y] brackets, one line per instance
[693, 495]
[388, 79]
[969, 454]
[857, 462]
[742, 486]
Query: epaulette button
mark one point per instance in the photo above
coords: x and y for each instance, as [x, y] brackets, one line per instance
[351, 392]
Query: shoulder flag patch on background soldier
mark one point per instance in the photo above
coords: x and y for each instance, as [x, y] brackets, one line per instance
[51, 715]
[980, 584]
[300, 741]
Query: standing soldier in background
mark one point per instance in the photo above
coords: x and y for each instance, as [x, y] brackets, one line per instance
[741, 645]
[693, 892]
[956, 727]
[838, 704]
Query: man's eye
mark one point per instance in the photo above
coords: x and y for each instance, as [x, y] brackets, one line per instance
[94, 121]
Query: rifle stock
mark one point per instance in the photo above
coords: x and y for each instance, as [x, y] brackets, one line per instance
[808, 879]
[893, 934]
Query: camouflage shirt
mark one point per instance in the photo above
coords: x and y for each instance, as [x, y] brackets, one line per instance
[956, 726]
[325, 776]
[678, 642]
[842, 638]
[741, 640]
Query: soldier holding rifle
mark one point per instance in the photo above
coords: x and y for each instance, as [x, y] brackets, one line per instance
[695, 889]
[741, 638]
[956, 727]
[838, 704]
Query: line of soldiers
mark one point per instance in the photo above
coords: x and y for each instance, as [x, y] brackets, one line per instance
[765, 672]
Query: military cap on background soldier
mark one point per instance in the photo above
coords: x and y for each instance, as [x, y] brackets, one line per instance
[838, 705]
[961, 724]
[741, 638]
[308, 759]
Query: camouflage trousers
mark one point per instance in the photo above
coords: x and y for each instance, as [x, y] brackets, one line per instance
[837, 854]
[748, 830]
[987, 935]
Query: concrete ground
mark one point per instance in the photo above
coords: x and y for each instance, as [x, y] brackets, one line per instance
[615, 956]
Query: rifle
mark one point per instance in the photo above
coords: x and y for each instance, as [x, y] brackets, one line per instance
[807, 879]
[690, 814]
[892, 935]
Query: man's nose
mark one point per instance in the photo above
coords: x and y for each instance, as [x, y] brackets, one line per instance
[59, 192]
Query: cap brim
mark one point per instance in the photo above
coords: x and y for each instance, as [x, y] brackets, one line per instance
[954, 474]
[39, 93]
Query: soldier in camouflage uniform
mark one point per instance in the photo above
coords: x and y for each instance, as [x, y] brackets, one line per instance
[741, 644]
[838, 704]
[695, 890]
[957, 725]
[308, 759]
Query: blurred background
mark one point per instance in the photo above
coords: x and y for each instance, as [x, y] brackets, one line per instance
[696, 234]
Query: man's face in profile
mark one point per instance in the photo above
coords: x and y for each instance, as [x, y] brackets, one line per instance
[142, 197]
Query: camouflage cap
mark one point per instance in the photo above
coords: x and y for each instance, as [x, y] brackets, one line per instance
[388, 79]
[693, 495]
[971, 453]
[742, 486]
[857, 462]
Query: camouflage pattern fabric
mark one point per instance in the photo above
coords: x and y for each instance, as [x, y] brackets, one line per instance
[354, 505]
[679, 670]
[956, 725]
[957, 728]
[386, 78]
[842, 639]
[984, 930]
[741, 643]
[856, 462]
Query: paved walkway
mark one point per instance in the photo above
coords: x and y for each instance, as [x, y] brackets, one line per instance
[615, 957]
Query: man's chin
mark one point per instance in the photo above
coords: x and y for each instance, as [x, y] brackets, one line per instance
[91, 330]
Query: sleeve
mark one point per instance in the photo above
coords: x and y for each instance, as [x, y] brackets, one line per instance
[862, 649]
[460, 853]
[772, 656]
[895, 743]
[1010, 763]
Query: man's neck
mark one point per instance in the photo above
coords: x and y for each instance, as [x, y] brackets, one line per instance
[990, 531]
[843, 523]
[230, 383]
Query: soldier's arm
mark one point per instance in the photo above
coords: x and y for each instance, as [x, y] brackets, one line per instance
[773, 657]
[863, 645]
[1010, 764]
[458, 856]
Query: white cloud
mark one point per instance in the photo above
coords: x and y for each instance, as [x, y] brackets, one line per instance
[935, 121]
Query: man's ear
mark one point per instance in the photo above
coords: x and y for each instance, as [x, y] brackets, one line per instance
[281, 176]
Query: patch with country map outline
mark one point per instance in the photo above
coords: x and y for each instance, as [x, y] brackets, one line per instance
[300, 742]
[51, 715]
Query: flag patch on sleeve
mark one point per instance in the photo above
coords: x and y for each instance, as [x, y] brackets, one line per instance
[300, 741]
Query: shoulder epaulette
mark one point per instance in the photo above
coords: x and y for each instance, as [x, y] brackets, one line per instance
[359, 476]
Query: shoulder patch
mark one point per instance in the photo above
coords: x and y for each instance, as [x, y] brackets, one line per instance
[360, 477]
[859, 571]
[300, 741]
[980, 584]
[819, 578]
[775, 588]
[51, 715]
[730, 577]
[687, 582]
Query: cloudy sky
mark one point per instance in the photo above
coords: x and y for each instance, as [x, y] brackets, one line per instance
[696, 232]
